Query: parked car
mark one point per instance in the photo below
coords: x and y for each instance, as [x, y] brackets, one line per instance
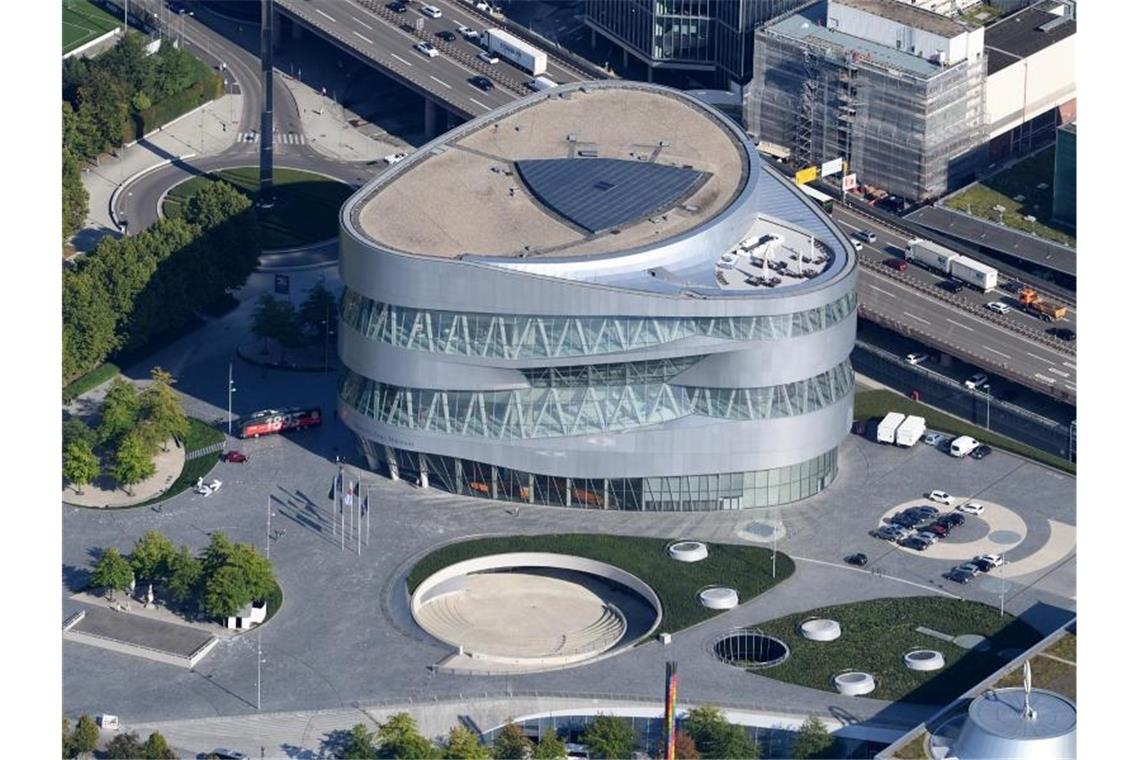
[997, 560]
[916, 359]
[395, 158]
[999, 307]
[916, 543]
[927, 535]
[235, 457]
[925, 510]
[1062, 333]
[981, 452]
[976, 380]
[937, 529]
[1012, 286]
[446, 35]
[951, 519]
[890, 532]
[959, 576]
[483, 83]
[952, 286]
[427, 49]
[904, 520]
[227, 754]
[856, 244]
[967, 567]
[859, 560]
[899, 265]
[933, 439]
[972, 508]
[983, 564]
[867, 235]
[488, 57]
[398, 7]
[941, 497]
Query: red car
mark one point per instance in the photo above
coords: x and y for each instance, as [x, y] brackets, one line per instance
[235, 457]
[937, 529]
[896, 264]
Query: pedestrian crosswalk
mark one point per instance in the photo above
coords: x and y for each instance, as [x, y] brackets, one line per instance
[280, 138]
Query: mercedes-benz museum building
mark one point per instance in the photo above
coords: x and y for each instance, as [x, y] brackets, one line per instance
[597, 296]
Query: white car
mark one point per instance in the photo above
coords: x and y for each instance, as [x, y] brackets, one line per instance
[431, 11]
[976, 381]
[916, 359]
[427, 49]
[941, 497]
[467, 32]
[972, 508]
[395, 158]
[488, 57]
[857, 244]
[999, 307]
[997, 560]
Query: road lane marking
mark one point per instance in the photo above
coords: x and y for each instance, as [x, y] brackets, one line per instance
[366, 26]
[361, 36]
[959, 324]
[884, 292]
[440, 81]
[401, 60]
[1070, 386]
[1058, 372]
[999, 353]
[1070, 366]
[476, 102]
[917, 319]
[1045, 378]
[330, 18]
[1039, 358]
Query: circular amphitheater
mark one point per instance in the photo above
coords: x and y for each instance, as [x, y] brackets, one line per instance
[529, 611]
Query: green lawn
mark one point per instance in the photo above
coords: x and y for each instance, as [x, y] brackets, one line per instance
[870, 404]
[83, 21]
[1021, 179]
[306, 209]
[876, 635]
[92, 379]
[748, 569]
[200, 436]
[1049, 673]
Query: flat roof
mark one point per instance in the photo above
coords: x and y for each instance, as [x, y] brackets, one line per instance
[999, 712]
[919, 18]
[464, 195]
[804, 27]
[1021, 35]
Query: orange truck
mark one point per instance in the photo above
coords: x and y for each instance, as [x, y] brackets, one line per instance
[1038, 306]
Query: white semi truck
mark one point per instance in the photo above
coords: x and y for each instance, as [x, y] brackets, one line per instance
[522, 54]
[945, 261]
[887, 429]
[910, 431]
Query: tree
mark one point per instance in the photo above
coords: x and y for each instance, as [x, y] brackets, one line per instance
[812, 740]
[133, 462]
[511, 743]
[75, 429]
[359, 745]
[234, 575]
[714, 736]
[151, 557]
[610, 737]
[67, 738]
[399, 737]
[80, 465]
[141, 101]
[129, 63]
[86, 736]
[120, 412]
[317, 314]
[104, 109]
[75, 195]
[686, 748]
[112, 572]
[125, 747]
[88, 324]
[274, 319]
[462, 744]
[184, 577]
[156, 748]
[161, 407]
[550, 747]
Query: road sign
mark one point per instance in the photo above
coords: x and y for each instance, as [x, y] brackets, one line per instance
[803, 176]
[849, 183]
[834, 166]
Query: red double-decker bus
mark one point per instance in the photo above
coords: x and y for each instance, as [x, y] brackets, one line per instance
[278, 421]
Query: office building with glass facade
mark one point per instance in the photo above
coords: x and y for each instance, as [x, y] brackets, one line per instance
[597, 296]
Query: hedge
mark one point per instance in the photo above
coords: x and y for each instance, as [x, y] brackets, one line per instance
[208, 88]
[92, 379]
[877, 403]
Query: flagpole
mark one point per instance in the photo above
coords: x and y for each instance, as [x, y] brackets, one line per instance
[368, 517]
[358, 519]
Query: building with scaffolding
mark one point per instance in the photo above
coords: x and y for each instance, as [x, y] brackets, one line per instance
[597, 296]
[896, 91]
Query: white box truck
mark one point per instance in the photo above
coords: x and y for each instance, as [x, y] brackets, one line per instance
[525, 56]
[885, 433]
[538, 84]
[910, 431]
[974, 273]
[931, 255]
[962, 445]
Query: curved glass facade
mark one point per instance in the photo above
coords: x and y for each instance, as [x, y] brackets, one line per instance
[681, 493]
[515, 336]
[589, 399]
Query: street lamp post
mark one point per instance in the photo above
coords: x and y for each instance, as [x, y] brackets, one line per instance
[230, 402]
[1002, 579]
[986, 387]
[328, 329]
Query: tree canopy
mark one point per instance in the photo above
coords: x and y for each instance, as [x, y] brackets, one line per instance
[610, 736]
[511, 743]
[714, 736]
[120, 410]
[151, 558]
[463, 744]
[812, 740]
[80, 465]
[399, 737]
[162, 409]
[112, 571]
[133, 463]
[550, 747]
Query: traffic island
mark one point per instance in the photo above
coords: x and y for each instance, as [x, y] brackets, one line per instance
[305, 210]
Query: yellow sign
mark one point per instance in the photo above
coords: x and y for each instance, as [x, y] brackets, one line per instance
[803, 176]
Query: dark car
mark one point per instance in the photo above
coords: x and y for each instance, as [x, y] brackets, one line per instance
[983, 564]
[398, 7]
[914, 543]
[937, 529]
[446, 35]
[483, 83]
[959, 576]
[859, 427]
[924, 510]
[897, 264]
[1062, 333]
[953, 519]
[981, 452]
[905, 520]
[235, 457]
[952, 286]
[859, 559]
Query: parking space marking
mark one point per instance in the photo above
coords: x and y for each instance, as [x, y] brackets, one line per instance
[440, 81]
[361, 36]
[476, 102]
[1070, 366]
[330, 18]
[994, 350]
[922, 586]
[959, 324]
[1058, 372]
[884, 292]
[366, 26]
[917, 319]
[401, 60]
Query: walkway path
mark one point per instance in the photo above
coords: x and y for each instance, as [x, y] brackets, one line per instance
[329, 127]
[105, 492]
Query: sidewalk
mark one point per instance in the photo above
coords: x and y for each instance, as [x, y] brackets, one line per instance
[329, 127]
[203, 132]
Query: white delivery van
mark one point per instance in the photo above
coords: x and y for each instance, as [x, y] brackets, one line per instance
[885, 433]
[910, 431]
[963, 445]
